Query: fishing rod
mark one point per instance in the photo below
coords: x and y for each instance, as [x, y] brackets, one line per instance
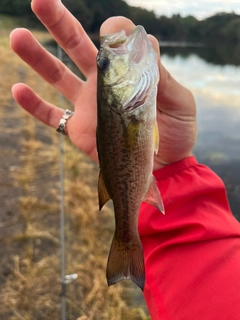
[65, 279]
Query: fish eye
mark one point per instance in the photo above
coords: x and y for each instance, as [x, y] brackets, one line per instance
[103, 63]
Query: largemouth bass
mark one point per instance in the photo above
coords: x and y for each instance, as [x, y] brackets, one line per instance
[127, 137]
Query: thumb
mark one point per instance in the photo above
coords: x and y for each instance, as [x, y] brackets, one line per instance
[173, 99]
[116, 24]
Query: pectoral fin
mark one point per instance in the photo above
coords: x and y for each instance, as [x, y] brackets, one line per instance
[130, 138]
[103, 195]
[153, 196]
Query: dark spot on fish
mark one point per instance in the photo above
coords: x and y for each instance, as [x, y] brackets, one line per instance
[115, 104]
[135, 120]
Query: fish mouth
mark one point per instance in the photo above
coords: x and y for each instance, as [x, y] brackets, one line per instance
[113, 40]
[137, 43]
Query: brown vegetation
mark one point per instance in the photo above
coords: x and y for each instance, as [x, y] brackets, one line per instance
[30, 283]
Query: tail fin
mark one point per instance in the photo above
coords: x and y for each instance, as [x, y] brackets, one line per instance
[126, 262]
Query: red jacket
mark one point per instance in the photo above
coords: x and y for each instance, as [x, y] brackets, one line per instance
[192, 254]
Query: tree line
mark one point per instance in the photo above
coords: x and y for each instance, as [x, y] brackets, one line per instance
[91, 13]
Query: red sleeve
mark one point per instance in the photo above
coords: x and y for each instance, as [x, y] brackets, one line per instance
[192, 253]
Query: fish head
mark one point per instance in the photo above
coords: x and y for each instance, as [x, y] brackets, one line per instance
[127, 69]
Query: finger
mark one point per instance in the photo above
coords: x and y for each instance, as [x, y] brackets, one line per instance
[68, 32]
[45, 64]
[155, 44]
[174, 99]
[116, 24]
[36, 106]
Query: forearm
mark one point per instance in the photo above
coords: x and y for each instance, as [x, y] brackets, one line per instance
[192, 254]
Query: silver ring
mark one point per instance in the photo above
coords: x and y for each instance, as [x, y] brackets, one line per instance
[62, 124]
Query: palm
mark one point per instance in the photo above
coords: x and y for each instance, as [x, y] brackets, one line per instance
[82, 127]
[176, 108]
[177, 125]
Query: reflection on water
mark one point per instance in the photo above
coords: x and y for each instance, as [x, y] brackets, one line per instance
[227, 53]
[215, 87]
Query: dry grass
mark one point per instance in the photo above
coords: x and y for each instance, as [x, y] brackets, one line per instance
[30, 285]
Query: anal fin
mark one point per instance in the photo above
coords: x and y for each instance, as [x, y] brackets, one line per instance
[103, 195]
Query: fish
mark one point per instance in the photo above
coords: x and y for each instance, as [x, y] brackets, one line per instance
[127, 138]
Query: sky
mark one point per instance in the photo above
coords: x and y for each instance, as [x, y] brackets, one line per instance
[200, 9]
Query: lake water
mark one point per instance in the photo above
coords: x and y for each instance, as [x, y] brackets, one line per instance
[215, 85]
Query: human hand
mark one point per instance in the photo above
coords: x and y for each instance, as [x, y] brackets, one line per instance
[175, 104]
